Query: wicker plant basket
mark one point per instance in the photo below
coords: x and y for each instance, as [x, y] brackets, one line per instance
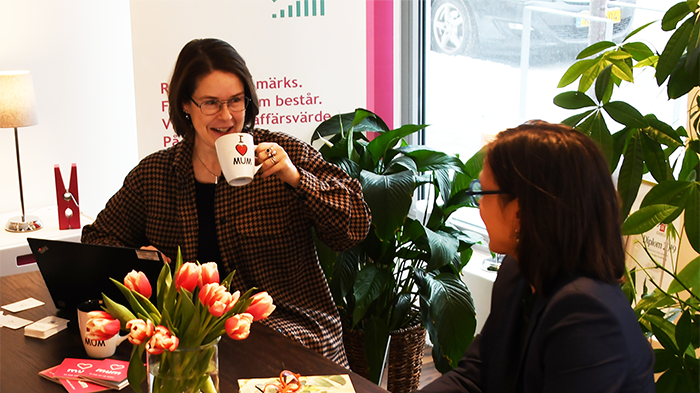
[405, 356]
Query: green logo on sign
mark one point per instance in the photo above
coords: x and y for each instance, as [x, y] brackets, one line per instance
[298, 10]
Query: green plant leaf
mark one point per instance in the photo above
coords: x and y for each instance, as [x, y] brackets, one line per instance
[345, 271]
[379, 146]
[443, 248]
[136, 373]
[118, 311]
[427, 159]
[691, 61]
[626, 114]
[671, 192]
[595, 49]
[661, 132]
[666, 340]
[575, 71]
[646, 218]
[692, 212]
[654, 300]
[681, 82]
[684, 330]
[603, 82]
[630, 175]
[694, 145]
[636, 45]
[589, 75]
[674, 15]
[619, 143]
[670, 380]
[453, 315]
[389, 198]
[664, 360]
[165, 279]
[654, 158]
[370, 283]
[136, 306]
[574, 120]
[673, 51]
[691, 163]
[366, 122]
[573, 100]
[376, 334]
[596, 128]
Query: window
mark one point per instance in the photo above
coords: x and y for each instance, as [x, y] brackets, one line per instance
[478, 81]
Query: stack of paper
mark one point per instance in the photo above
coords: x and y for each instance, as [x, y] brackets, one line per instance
[89, 375]
[45, 327]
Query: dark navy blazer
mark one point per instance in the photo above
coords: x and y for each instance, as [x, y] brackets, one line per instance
[584, 338]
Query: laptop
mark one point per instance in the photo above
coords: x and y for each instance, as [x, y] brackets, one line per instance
[76, 272]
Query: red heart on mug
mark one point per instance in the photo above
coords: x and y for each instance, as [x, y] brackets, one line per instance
[241, 149]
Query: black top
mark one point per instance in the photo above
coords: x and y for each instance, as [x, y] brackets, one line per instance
[584, 338]
[208, 250]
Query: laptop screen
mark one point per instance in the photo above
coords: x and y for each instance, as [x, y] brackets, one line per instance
[76, 272]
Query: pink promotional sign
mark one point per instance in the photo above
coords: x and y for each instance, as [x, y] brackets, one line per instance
[310, 59]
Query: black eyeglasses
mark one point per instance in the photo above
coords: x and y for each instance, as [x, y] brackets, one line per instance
[475, 192]
[212, 107]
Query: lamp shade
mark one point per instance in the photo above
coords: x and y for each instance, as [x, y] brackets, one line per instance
[17, 103]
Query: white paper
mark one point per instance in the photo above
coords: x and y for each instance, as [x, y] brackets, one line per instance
[22, 305]
[13, 322]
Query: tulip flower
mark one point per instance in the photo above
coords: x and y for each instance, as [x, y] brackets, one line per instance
[138, 282]
[238, 326]
[261, 307]
[140, 330]
[209, 272]
[188, 276]
[101, 326]
[217, 299]
[162, 340]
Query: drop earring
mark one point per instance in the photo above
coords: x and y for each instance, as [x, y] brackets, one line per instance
[187, 115]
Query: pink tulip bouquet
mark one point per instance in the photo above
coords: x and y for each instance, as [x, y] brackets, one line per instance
[193, 311]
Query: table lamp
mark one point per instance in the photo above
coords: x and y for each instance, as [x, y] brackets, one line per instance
[18, 109]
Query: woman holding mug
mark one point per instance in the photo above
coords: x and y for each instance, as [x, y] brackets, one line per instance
[559, 321]
[263, 230]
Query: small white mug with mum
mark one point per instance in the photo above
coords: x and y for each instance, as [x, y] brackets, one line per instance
[236, 153]
[96, 348]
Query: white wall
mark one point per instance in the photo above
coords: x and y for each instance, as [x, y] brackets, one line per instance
[79, 53]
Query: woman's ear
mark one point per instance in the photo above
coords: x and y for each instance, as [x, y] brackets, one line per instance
[513, 212]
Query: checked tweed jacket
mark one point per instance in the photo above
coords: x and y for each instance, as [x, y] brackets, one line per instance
[263, 230]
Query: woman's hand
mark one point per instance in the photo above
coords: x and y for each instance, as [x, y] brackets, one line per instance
[165, 258]
[275, 161]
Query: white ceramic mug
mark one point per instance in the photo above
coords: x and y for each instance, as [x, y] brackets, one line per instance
[236, 153]
[96, 348]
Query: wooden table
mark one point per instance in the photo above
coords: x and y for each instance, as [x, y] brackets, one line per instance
[263, 354]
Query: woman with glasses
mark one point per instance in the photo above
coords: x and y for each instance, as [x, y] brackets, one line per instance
[177, 197]
[559, 321]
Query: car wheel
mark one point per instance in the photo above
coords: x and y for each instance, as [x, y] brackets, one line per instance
[453, 28]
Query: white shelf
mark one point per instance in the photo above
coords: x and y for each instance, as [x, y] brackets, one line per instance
[14, 245]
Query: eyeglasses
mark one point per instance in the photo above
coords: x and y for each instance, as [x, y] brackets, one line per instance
[475, 192]
[212, 107]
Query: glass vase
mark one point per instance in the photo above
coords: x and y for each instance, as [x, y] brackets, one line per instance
[185, 370]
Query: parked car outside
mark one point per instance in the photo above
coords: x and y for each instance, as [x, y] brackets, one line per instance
[466, 27]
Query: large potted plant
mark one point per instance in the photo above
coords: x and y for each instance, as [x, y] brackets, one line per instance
[406, 273]
[644, 144]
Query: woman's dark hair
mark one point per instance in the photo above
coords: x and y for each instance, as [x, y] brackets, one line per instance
[569, 210]
[197, 59]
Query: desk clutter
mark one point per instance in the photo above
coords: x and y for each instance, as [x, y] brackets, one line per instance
[43, 328]
[289, 382]
[89, 375]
